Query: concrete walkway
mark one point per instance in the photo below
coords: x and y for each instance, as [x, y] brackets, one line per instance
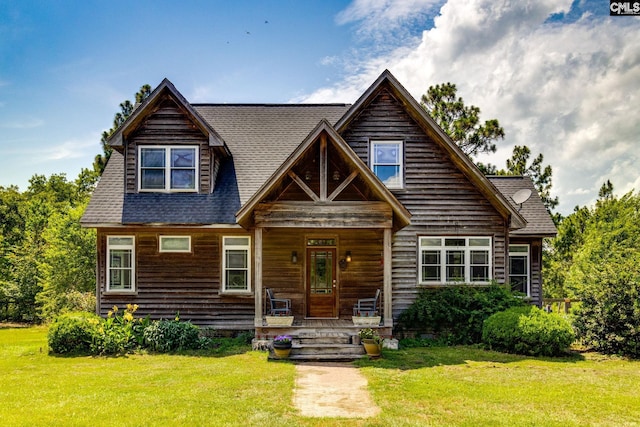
[332, 390]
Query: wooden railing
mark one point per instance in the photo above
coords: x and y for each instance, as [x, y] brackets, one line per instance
[558, 305]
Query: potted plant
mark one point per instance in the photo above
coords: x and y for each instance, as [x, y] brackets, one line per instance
[282, 346]
[371, 341]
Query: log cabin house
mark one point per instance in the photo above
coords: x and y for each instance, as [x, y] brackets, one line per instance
[202, 207]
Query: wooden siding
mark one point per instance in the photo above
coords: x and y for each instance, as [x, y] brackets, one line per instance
[441, 199]
[170, 125]
[360, 279]
[331, 215]
[172, 283]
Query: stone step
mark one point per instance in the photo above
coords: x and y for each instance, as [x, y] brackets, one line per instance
[334, 346]
[325, 357]
[323, 340]
[327, 349]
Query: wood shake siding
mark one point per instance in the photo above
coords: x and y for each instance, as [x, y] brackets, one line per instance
[169, 125]
[177, 283]
[441, 199]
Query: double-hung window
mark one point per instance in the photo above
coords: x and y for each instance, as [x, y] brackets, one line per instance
[236, 264]
[387, 162]
[121, 264]
[168, 168]
[519, 268]
[454, 259]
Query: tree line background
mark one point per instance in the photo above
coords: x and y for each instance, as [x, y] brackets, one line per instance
[47, 261]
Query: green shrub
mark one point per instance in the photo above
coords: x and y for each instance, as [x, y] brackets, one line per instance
[171, 335]
[608, 319]
[74, 333]
[529, 331]
[454, 314]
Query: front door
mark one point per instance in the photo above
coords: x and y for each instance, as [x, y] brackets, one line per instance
[321, 282]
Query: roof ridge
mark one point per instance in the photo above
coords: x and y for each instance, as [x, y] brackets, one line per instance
[261, 104]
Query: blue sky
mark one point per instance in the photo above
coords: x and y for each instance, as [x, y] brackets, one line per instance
[562, 77]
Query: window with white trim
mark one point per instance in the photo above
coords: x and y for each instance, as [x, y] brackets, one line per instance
[236, 264]
[519, 268]
[175, 244]
[454, 259]
[121, 264]
[168, 168]
[386, 160]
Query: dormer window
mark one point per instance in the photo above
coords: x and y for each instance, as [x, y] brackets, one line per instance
[168, 168]
[387, 162]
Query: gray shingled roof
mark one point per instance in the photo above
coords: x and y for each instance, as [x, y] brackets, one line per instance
[539, 222]
[110, 205]
[105, 206]
[261, 137]
[187, 208]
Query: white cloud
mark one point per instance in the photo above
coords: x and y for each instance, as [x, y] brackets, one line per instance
[75, 148]
[384, 15]
[24, 123]
[566, 89]
[203, 93]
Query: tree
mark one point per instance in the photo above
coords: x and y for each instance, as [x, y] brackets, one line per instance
[67, 265]
[559, 252]
[461, 122]
[43, 248]
[126, 109]
[605, 275]
[541, 177]
[606, 191]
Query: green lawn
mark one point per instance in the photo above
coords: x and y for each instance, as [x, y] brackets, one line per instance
[436, 386]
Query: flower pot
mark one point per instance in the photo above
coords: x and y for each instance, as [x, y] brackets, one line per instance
[372, 348]
[282, 353]
[282, 349]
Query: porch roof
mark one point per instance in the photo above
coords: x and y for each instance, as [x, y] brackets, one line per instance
[400, 215]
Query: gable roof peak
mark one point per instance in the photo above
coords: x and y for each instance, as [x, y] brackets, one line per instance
[117, 139]
[387, 81]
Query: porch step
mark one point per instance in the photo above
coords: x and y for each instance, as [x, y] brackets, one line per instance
[334, 346]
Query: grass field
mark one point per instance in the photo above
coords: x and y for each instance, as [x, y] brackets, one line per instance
[416, 387]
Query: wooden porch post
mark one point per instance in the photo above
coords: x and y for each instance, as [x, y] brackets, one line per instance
[258, 277]
[388, 297]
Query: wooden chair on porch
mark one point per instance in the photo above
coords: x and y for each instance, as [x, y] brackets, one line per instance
[367, 306]
[277, 306]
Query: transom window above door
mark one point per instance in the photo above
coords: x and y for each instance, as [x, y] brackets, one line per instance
[168, 168]
[386, 158]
